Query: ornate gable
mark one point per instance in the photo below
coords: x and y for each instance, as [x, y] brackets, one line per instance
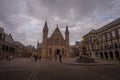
[57, 33]
[56, 38]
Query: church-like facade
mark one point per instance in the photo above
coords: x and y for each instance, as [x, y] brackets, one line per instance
[55, 44]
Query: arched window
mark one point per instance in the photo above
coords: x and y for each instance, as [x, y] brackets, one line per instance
[117, 55]
[56, 41]
[50, 51]
[108, 35]
[63, 51]
[113, 34]
[115, 45]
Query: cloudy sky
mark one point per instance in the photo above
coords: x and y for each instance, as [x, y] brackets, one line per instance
[24, 19]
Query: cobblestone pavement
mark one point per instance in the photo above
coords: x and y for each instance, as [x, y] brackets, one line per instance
[25, 69]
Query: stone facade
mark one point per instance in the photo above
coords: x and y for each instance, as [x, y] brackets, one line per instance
[55, 44]
[30, 50]
[7, 47]
[39, 48]
[20, 49]
[78, 48]
[104, 43]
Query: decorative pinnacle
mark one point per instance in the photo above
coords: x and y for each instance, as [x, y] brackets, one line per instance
[67, 28]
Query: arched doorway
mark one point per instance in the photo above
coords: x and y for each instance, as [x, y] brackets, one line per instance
[101, 55]
[50, 51]
[115, 45]
[56, 53]
[96, 54]
[117, 55]
[111, 55]
[106, 55]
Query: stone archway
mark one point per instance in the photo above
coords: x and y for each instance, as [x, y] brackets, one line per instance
[56, 53]
[111, 54]
[117, 55]
[101, 55]
[96, 54]
[106, 55]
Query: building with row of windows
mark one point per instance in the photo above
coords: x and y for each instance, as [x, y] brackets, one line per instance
[9, 47]
[104, 43]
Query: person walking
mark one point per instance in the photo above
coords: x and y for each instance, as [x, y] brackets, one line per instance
[60, 58]
[39, 58]
[55, 57]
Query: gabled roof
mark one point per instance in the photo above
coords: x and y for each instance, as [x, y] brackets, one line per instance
[57, 33]
[109, 25]
[105, 27]
[93, 31]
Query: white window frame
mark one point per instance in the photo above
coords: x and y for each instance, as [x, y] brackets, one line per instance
[108, 35]
[119, 31]
[113, 34]
[103, 37]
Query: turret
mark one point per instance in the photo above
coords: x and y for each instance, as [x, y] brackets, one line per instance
[45, 29]
[67, 41]
[66, 32]
[44, 42]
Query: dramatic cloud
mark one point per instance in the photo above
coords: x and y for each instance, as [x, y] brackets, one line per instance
[25, 18]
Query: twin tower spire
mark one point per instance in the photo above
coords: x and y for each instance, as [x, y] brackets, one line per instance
[46, 27]
[55, 42]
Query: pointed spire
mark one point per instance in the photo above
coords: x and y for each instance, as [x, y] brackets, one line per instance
[45, 25]
[57, 32]
[57, 29]
[67, 28]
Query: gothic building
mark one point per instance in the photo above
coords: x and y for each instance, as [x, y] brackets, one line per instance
[55, 44]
